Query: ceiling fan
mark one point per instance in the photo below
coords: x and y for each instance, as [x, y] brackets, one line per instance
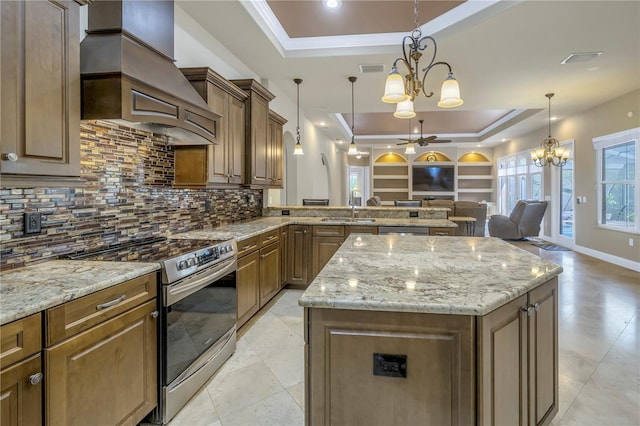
[422, 141]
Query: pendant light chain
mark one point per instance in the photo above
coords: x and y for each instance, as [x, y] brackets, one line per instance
[353, 149]
[298, 147]
[415, 13]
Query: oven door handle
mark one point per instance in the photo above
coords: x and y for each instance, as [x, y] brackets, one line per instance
[181, 289]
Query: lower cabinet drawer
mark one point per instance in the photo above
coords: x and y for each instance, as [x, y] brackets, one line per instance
[442, 231]
[81, 314]
[20, 339]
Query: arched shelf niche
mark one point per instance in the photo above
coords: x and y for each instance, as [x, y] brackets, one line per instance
[431, 156]
[475, 177]
[390, 178]
[473, 157]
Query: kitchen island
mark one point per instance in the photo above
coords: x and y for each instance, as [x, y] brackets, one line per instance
[431, 330]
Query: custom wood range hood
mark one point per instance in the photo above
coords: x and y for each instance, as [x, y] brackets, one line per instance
[128, 73]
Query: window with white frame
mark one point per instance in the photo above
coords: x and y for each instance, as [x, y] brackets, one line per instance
[518, 179]
[618, 187]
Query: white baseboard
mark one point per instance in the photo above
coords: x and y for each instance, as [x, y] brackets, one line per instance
[619, 261]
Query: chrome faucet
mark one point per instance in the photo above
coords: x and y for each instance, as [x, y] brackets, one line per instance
[353, 204]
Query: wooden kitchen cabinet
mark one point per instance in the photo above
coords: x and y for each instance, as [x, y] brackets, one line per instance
[270, 282]
[248, 286]
[257, 141]
[39, 91]
[222, 163]
[299, 250]
[447, 232]
[517, 359]
[21, 372]
[105, 371]
[326, 241]
[275, 150]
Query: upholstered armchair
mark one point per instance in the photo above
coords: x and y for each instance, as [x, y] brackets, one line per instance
[374, 201]
[524, 221]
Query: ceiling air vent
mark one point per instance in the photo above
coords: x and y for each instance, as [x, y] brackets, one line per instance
[368, 69]
[580, 57]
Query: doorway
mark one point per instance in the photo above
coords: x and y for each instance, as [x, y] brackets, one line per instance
[564, 200]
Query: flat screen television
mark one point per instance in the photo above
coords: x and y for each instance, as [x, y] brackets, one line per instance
[433, 178]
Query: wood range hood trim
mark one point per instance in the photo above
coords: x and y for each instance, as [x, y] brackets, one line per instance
[128, 73]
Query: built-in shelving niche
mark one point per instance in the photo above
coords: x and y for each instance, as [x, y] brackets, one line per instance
[475, 177]
[391, 178]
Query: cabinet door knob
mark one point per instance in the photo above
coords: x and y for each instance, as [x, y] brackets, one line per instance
[536, 306]
[12, 156]
[155, 314]
[34, 379]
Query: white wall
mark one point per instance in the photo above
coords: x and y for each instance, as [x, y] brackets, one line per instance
[194, 47]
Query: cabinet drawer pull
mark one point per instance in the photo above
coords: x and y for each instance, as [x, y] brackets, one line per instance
[248, 246]
[270, 237]
[442, 234]
[112, 303]
[34, 379]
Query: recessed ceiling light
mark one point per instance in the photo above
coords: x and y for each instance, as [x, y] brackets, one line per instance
[388, 146]
[593, 69]
[478, 145]
[332, 4]
[554, 118]
[504, 140]
[323, 124]
[339, 141]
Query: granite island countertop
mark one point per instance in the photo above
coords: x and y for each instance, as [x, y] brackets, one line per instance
[31, 289]
[243, 230]
[424, 274]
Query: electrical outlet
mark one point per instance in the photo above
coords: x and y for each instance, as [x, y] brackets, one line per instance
[207, 206]
[32, 223]
[630, 242]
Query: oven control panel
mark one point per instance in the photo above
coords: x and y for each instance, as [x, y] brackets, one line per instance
[205, 256]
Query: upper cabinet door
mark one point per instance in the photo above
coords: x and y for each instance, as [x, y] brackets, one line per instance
[40, 91]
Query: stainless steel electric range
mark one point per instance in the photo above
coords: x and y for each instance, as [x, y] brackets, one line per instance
[198, 311]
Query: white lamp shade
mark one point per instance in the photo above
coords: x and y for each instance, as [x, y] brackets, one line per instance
[450, 93]
[297, 150]
[410, 149]
[353, 149]
[394, 88]
[404, 109]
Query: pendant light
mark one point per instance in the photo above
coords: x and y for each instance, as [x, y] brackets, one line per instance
[410, 148]
[297, 150]
[353, 149]
[550, 152]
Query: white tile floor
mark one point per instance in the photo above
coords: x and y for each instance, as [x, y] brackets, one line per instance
[262, 383]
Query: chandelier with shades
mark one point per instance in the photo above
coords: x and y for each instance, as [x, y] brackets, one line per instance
[297, 150]
[550, 152]
[403, 91]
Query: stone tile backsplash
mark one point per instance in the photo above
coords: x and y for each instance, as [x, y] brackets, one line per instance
[127, 194]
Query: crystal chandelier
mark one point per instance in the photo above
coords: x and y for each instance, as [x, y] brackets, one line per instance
[403, 91]
[550, 152]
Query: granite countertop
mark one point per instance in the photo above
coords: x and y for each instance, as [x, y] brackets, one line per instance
[442, 275]
[243, 230]
[28, 290]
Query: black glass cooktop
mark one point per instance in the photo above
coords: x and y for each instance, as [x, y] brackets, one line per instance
[144, 250]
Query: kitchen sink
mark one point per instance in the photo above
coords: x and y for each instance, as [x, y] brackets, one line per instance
[348, 219]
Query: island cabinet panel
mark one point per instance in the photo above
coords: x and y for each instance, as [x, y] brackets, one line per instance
[284, 253]
[299, 250]
[518, 360]
[248, 286]
[323, 248]
[344, 387]
[40, 96]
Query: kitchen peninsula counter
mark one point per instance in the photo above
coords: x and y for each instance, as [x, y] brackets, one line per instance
[31, 289]
[431, 330]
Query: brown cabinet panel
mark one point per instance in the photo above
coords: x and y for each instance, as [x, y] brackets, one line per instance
[269, 272]
[259, 158]
[235, 140]
[502, 363]
[342, 388]
[543, 348]
[299, 250]
[350, 229]
[20, 338]
[248, 286]
[275, 149]
[191, 165]
[20, 400]
[269, 237]
[40, 90]
[248, 245]
[322, 250]
[107, 372]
